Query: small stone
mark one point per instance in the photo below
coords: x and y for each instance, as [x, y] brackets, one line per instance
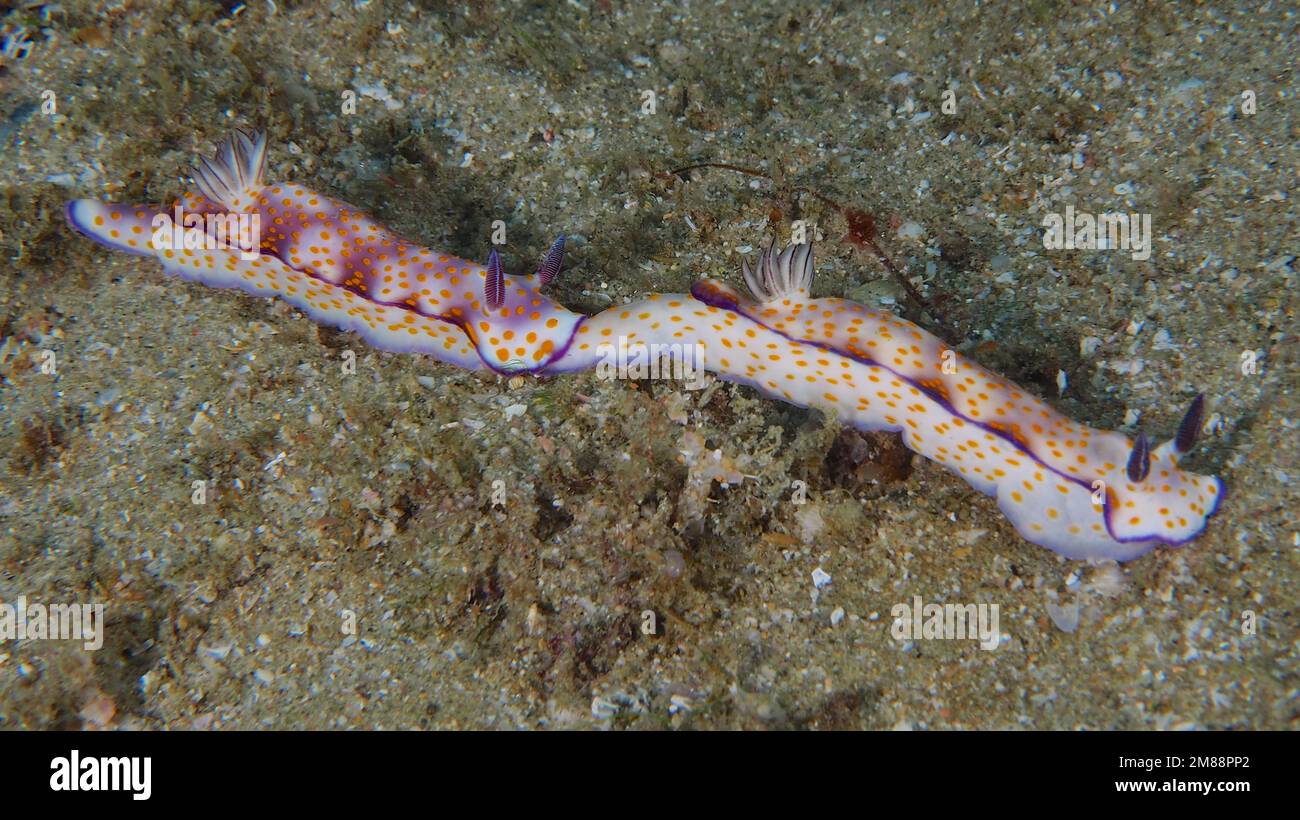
[1066, 618]
[674, 564]
[98, 710]
[200, 423]
[535, 622]
[810, 523]
[1163, 341]
[602, 709]
[911, 230]
[821, 578]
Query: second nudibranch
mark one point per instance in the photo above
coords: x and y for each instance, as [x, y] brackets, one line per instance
[1082, 492]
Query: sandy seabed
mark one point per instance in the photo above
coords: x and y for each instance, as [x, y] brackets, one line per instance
[401, 545]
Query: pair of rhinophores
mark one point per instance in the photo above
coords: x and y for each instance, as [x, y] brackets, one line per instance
[1082, 492]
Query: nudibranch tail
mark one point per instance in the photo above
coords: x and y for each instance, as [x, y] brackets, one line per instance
[1082, 492]
[120, 227]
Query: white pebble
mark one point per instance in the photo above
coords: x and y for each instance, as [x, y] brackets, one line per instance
[821, 578]
[1066, 618]
[910, 230]
[1163, 341]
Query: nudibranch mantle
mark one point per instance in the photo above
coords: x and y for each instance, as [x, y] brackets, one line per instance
[1081, 492]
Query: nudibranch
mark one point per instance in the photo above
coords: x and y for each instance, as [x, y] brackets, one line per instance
[1082, 492]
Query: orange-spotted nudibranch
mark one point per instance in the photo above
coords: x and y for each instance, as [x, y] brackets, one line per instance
[337, 265]
[1082, 492]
